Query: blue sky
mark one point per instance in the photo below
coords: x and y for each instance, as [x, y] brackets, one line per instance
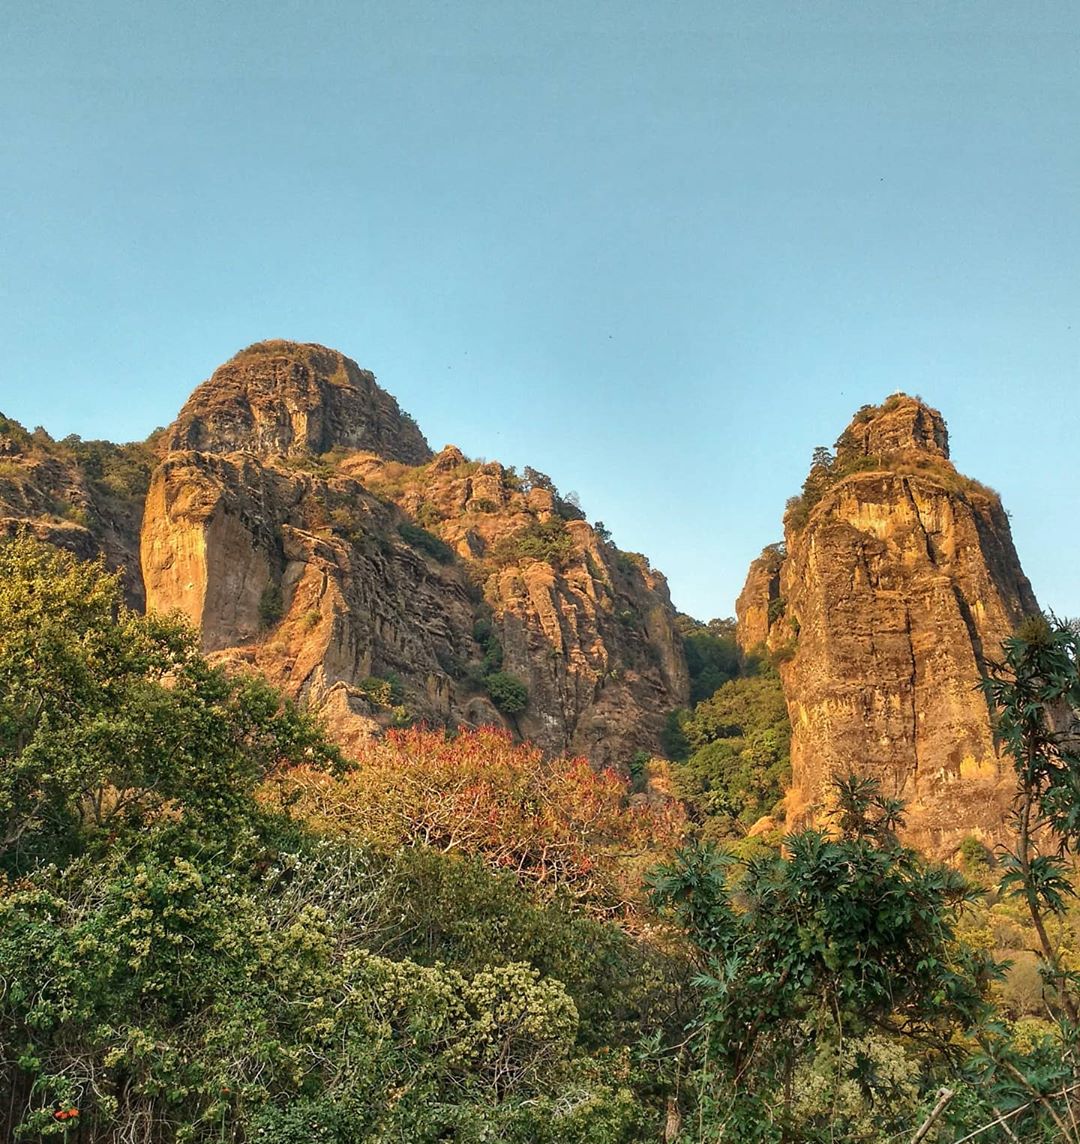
[659, 250]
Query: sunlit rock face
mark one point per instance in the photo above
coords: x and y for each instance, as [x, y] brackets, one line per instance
[299, 518]
[285, 399]
[900, 579]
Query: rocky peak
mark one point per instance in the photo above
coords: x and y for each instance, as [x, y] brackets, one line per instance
[899, 425]
[378, 582]
[288, 399]
[898, 581]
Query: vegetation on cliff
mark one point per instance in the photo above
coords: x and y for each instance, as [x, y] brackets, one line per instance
[300, 521]
[731, 750]
[897, 579]
[860, 453]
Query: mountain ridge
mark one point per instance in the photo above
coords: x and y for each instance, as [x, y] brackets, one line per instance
[300, 519]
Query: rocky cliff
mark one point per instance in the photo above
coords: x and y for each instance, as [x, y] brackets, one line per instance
[300, 519]
[897, 579]
[85, 496]
[279, 399]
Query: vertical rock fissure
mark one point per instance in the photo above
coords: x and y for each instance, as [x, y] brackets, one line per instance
[914, 694]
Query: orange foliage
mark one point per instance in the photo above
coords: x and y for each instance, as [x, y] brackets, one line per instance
[558, 824]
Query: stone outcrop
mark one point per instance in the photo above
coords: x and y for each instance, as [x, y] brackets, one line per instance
[759, 601]
[900, 578]
[283, 399]
[299, 518]
[86, 497]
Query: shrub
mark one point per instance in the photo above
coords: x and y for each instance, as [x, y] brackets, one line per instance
[426, 542]
[508, 693]
[549, 541]
[385, 692]
[975, 854]
[271, 605]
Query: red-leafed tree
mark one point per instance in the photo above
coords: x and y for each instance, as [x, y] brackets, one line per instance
[559, 824]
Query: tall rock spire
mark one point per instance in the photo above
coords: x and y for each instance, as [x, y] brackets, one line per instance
[899, 580]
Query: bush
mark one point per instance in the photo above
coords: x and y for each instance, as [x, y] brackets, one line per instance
[426, 542]
[271, 605]
[507, 692]
[975, 855]
[384, 692]
[549, 541]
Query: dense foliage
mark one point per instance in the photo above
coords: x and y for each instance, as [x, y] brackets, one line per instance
[738, 753]
[732, 749]
[712, 654]
[180, 964]
[212, 928]
[558, 824]
[844, 935]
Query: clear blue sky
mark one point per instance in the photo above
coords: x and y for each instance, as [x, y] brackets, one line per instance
[658, 250]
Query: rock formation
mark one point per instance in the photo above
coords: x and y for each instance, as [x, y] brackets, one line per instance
[299, 518]
[280, 399]
[899, 579]
[85, 496]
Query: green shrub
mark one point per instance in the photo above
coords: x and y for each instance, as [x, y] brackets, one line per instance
[271, 605]
[485, 635]
[975, 855]
[507, 692]
[549, 541]
[426, 542]
[385, 692]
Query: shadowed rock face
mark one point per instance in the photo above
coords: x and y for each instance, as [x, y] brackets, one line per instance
[299, 518]
[898, 583]
[86, 497]
[283, 399]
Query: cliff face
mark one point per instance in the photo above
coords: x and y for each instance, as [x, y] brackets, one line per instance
[301, 521]
[900, 578]
[85, 496]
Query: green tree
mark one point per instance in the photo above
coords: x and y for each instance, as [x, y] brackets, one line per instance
[180, 965]
[712, 655]
[843, 935]
[1035, 691]
[738, 752]
[107, 717]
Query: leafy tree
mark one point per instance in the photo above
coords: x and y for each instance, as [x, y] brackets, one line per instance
[181, 965]
[1035, 692]
[110, 719]
[843, 935]
[738, 752]
[712, 655]
[559, 825]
